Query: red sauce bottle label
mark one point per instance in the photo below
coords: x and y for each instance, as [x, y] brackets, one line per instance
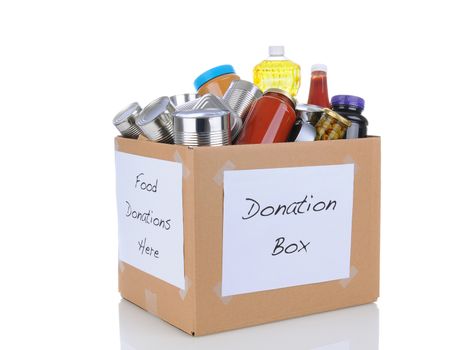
[318, 90]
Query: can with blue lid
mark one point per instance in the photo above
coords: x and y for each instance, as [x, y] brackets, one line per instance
[216, 80]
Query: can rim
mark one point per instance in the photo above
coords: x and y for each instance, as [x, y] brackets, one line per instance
[153, 110]
[132, 110]
[205, 113]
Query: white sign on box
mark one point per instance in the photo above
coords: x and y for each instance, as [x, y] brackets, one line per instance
[150, 211]
[286, 227]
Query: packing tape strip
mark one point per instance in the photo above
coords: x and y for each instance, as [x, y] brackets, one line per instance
[218, 178]
[177, 158]
[121, 266]
[346, 281]
[217, 290]
[348, 159]
[150, 301]
[187, 284]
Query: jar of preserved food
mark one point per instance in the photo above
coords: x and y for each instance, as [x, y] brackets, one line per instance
[216, 80]
[270, 119]
[331, 126]
[351, 107]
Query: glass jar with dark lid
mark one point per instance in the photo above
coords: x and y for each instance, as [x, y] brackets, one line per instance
[351, 107]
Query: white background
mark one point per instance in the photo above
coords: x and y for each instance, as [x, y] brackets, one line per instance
[68, 67]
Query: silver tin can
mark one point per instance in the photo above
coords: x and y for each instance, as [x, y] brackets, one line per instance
[156, 121]
[187, 106]
[124, 121]
[309, 113]
[180, 100]
[240, 96]
[205, 127]
[302, 131]
[211, 101]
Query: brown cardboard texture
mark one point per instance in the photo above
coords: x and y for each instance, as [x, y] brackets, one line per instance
[200, 309]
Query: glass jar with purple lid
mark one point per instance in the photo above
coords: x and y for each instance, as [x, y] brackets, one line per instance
[351, 107]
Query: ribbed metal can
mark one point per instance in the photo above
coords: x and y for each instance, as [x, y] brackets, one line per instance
[184, 101]
[156, 120]
[124, 121]
[211, 101]
[204, 127]
[240, 96]
[187, 106]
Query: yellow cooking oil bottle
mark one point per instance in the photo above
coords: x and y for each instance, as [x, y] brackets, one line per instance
[277, 72]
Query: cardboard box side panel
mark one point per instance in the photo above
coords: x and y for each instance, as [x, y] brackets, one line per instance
[215, 313]
[162, 299]
[376, 209]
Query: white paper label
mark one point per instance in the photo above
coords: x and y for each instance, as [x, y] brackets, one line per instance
[150, 210]
[344, 345]
[286, 227]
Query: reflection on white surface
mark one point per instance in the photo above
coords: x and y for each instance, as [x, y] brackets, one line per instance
[354, 328]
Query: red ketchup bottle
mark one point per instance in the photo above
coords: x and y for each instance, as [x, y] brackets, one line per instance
[270, 119]
[318, 88]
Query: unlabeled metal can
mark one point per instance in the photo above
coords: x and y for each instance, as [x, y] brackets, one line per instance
[240, 96]
[182, 99]
[155, 120]
[302, 131]
[124, 121]
[309, 113]
[211, 101]
[205, 127]
[187, 106]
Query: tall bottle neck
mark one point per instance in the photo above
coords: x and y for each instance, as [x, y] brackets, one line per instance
[318, 73]
[277, 58]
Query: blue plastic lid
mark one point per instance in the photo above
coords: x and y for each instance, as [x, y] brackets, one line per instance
[348, 100]
[212, 74]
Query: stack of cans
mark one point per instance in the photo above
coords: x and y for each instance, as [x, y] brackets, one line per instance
[189, 119]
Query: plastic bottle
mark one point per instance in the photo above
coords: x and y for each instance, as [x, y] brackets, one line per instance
[318, 87]
[277, 72]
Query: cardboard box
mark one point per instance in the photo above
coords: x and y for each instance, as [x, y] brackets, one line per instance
[201, 307]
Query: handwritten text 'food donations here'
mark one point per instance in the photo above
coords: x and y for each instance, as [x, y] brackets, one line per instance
[149, 197]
